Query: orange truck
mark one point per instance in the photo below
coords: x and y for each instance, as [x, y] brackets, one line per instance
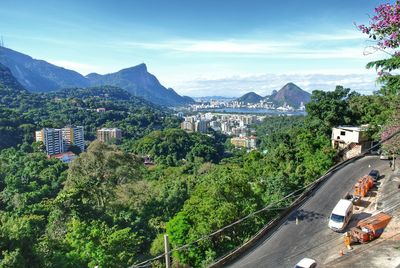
[370, 228]
[363, 185]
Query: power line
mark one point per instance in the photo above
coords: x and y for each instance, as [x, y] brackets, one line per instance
[269, 207]
[144, 264]
[292, 194]
[326, 242]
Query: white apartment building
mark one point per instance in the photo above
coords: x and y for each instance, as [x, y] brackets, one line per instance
[52, 140]
[226, 127]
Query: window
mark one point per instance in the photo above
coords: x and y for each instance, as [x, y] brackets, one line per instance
[342, 133]
[337, 218]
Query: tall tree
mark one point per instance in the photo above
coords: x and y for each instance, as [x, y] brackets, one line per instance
[96, 173]
[330, 108]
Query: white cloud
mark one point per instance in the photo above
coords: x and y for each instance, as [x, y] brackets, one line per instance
[224, 46]
[343, 35]
[317, 46]
[264, 84]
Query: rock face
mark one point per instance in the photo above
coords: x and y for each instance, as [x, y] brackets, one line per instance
[38, 75]
[139, 82]
[7, 80]
[250, 97]
[291, 95]
[41, 76]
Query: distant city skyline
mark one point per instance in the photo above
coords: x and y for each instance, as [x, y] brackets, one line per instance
[202, 48]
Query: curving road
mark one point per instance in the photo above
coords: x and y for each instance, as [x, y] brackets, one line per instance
[310, 237]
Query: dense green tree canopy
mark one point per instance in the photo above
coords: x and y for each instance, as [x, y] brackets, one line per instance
[174, 146]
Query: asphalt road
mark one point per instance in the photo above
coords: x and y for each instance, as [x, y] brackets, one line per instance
[311, 236]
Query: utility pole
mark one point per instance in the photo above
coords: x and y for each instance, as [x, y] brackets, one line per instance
[166, 248]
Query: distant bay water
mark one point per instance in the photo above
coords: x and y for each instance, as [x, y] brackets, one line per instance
[253, 111]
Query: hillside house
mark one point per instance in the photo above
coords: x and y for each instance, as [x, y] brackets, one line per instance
[350, 140]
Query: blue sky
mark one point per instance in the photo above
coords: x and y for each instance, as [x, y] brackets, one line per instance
[201, 48]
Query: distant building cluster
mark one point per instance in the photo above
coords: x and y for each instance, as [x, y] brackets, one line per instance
[58, 141]
[238, 126]
[107, 134]
[229, 124]
[262, 104]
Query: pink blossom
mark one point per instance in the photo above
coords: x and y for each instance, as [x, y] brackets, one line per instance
[384, 26]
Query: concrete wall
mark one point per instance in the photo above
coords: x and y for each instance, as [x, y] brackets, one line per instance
[347, 136]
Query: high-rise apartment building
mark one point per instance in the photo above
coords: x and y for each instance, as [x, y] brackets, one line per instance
[106, 134]
[52, 139]
[59, 140]
[73, 135]
[201, 126]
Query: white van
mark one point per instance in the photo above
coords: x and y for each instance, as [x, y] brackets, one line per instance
[341, 215]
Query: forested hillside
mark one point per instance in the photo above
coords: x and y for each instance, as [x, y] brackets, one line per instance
[108, 209]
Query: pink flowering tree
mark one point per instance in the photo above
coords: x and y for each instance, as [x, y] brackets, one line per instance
[384, 29]
[392, 145]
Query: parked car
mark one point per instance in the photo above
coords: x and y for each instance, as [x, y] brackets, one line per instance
[341, 215]
[374, 174]
[306, 263]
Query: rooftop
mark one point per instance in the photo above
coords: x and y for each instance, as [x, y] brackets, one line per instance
[353, 128]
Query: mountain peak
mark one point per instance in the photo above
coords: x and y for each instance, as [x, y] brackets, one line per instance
[137, 68]
[291, 86]
[250, 97]
[291, 94]
[139, 82]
